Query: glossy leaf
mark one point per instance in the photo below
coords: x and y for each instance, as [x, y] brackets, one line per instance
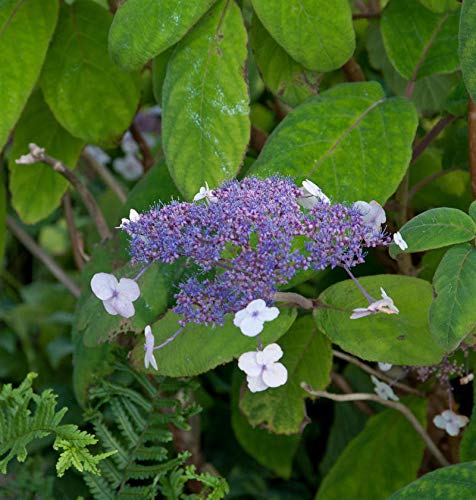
[25, 32]
[201, 348]
[419, 42]
[399, 339]
[383, 457]
[285, 77]
[36, 189]
[436, 228]
[205, 102]
[316, 33]
[453, 311]
[308, 358]
[467, 46]
[331, 139]
[141, 30]
[89, 95]
[456, 482]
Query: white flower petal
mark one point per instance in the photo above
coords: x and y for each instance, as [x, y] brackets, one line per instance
[256, 305]
[440, 422]
[128, 144]
[315, 190]
[452, 428]
[128, 289]
[275, 375]
[269, 313]
[360, 312]
[385, 367]
[378, 213]
[256, 384]
[201, 194]
[247, 362]
[399, 241]
[123, 306]
[150, 358]
[240, 316]
[103, 285]
[133, 215]
[271, 354]
[462, 420]
[149, 339]
[448, 415]
[109, 306]
[251, 327]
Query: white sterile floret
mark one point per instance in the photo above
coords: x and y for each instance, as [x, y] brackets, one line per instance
[450, 422]
[399, 241]
[311, 193]
[134, 216]
[384, 305]
[207, 193]
[383, 390]
[128, 144]
[129, 167]
[98, 154]
[261, 368]
[373, 215]
[149, 348]
[250, 320]
[117, 296]
[385, 367]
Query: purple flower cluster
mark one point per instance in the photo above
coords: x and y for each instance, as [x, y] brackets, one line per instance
[252, 238]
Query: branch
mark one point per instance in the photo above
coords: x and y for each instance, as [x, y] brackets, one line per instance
[366, 368]
[75, 237]
[391, 404]
[147, 157]
[294, 299]
[345, 387]
[366, 15]
[42, 256]
[472, 143]
[431, 136]
[38, 154]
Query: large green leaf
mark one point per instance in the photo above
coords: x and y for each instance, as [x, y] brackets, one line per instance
[467, 46]
[36, 189]
[89, 95]
[308, 358]
[3, 218]
[420, 42]
[467, 448]
[142, 29]
[400, 339]
[205, 100]
[383, 457]
[25, 32]
[436, 228]
[316, 33]
[331, 139]
[457, 482]
[201, 348]
[284, 76]
[440, 5]
[453, 311]
[270, 450]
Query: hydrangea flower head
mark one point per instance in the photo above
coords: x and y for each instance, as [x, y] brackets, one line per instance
[117, 296]
[450, 422]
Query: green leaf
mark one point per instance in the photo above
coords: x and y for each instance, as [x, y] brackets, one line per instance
[36, 189]
[315, 33]
[285, 77]
[436, 228]
[142, 29]
[201, 348]
[419, 41]
[331, 139]
[159, 70]
[383, 457]
[206, 127]
[400, 339]
[453, 312]
[308, 358]
[467, 447]
[3, 219]
[25, 32]
[467, 46]
[89, 95]
[270, 450]
[440, 5]
[472, 210]
[457, 482]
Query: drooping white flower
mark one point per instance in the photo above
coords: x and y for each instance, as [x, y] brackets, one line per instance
[384, 305]
[98, 154]
[311, 193]
[149, 357]
[134, 216]
[383, 390]
[385, 367]
[205, 192]
[373, 215]
[117, 296]
[399, 241]
[261, 368]
[250, 320]
[129, 167]
[450, 422]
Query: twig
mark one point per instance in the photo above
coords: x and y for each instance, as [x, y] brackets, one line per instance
[361, 6]
[147, 157]
[105, 175]
[74, 235]
[294, 298]
[344, 386]
[367, 15]
[391, 404]
[431, 136]
[38, 154]
[404, 260]
[353, 72]
[472, 143]
[419, 185]
[366, 368]
[42, 256]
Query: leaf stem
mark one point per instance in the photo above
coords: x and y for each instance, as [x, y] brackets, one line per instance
[431, 136]
[147, 156]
